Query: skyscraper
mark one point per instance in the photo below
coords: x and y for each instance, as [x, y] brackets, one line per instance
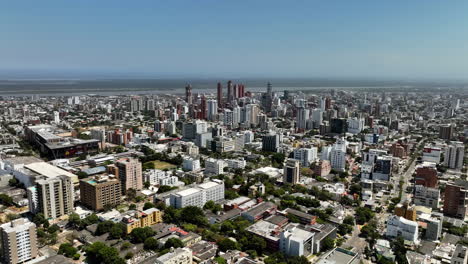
[220, 95]
[301, 118]
[19, 241]
[203, 107]
[291, 171]
[212, 109]
[188, 94]
[229, 95]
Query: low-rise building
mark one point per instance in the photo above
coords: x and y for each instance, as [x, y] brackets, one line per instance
[136, 219]
[399, 226]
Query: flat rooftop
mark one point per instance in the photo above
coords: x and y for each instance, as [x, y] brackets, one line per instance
[208, 185]
[187, 192]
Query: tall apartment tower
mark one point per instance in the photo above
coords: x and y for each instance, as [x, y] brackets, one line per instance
[454, 154]
[230, 95]
[446, 132]
[212, 110]
[219, 95]
[130, 174]
[188, 94]
[291, 171]
[52, 196]
[456, 199]
[100, 191]
[19, 241]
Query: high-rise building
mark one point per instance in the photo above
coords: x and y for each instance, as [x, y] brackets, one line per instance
[212, 109]
[454, 154]
[101, 191]
[219, 95]
[355, 125]
[52, 197]
[230, 95]
[338, 155]
[301, 118]
[291, 171]
[399, 226]
[130, 174]
[426, 175]
[271, 142]
[203, 107]
[317, 118]
[56, 117]
[305, 155]
[446, 132]
[19, 241]
[456, 199]
[188, 94]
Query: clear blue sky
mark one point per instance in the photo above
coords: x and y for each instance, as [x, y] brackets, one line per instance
[251, 38]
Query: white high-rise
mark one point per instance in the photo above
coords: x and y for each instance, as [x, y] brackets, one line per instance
[19, 241]
[56, 117]
[338, 155]
[212, 109]
[355, 125]
[305, 155]
[317, 117]
[301, 118]
[454, 154]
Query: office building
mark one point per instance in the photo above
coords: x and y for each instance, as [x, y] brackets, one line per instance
[431, 154]
[399, 226]
[188, 94]
[100, 192]
[456, 199]
[19, 241]
[219, 95]
[271, 142]
[130, 174]
[52, 197]
[291, 172]
[454, 154]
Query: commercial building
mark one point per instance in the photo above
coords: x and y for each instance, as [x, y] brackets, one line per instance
[454, 154]
[291, 172]
[100, 192]
[136, 219]
[432, 154]
[52, 197]
[399, 226]
[271, 142]
[198, 196]
[19, 241]
[130, 174]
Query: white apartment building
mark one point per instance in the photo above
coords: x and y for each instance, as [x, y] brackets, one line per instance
[153, 176]
[432, 154]
[338, 155]
[236, 163]
[305, 156]
[198, 196]
[399, 226]
[426, 196]
[191, 164]
[214, 166]
[296, 242]
[355, 125]
[454, 154]
[176, 256]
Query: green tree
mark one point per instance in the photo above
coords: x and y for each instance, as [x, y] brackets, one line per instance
[67, 250]
[140, 234]
[117, 231]
[327, 244]
[6, 200]
[227, 244]
[148, 205]
[173, 243]
[74, 220]
[151, 243]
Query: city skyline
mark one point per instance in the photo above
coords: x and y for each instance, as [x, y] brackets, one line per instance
[370, 40]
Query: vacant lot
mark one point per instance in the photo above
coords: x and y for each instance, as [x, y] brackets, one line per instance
[161, 165]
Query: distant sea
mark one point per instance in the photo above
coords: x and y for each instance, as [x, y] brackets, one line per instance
[66, 87]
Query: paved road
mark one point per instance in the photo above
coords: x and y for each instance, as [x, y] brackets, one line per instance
[355, 242]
